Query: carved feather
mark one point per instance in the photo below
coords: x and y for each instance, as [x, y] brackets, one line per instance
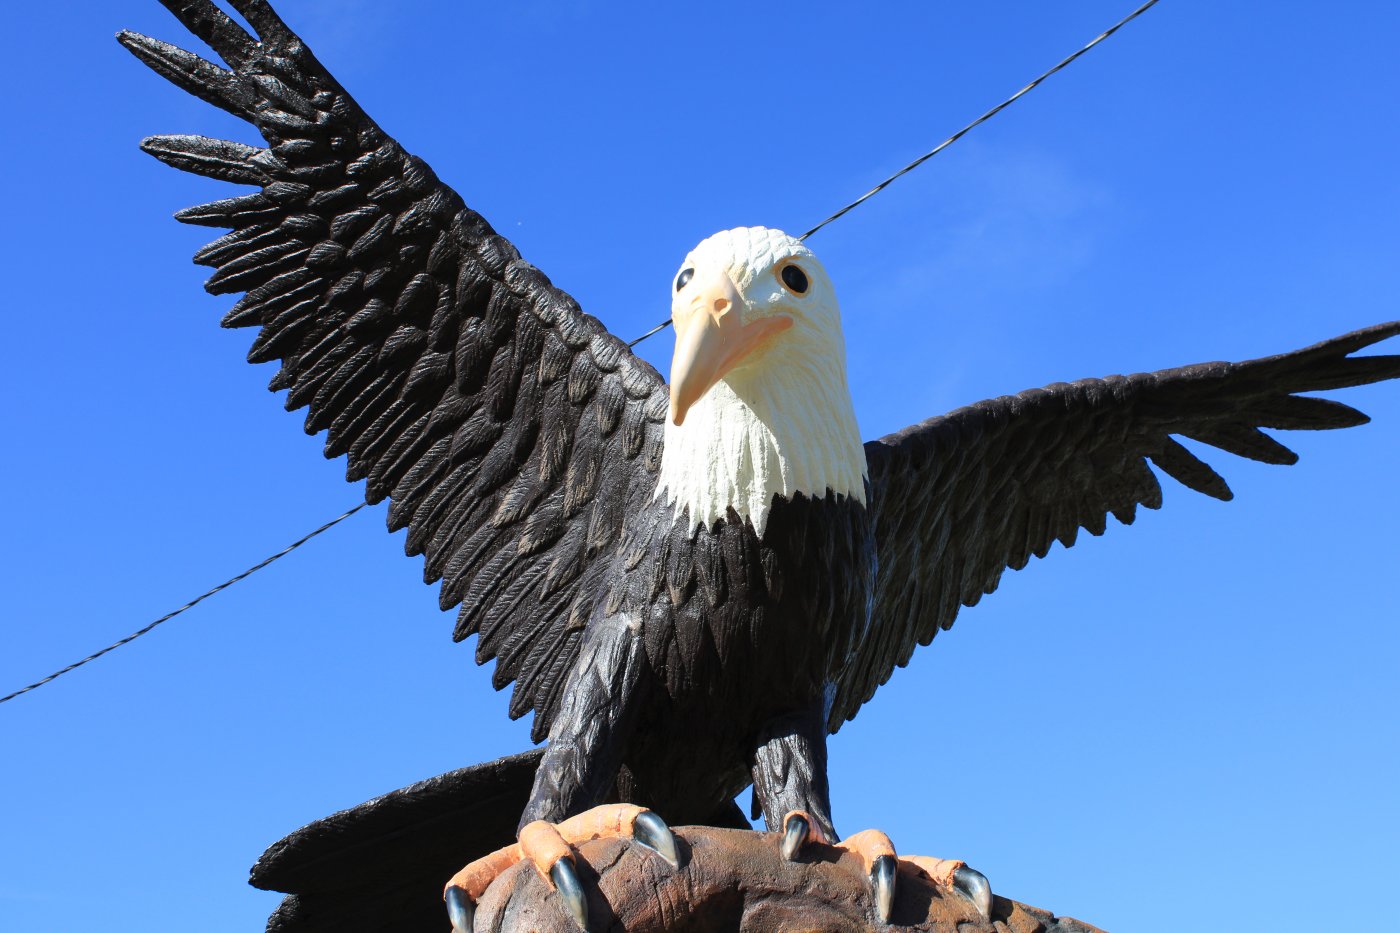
[414, 334]
[962, 497]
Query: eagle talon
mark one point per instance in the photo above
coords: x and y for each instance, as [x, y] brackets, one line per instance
[795, 832]
[570, 892]
[882, 883]
[651, 831]
[460, 910]
[973, 885]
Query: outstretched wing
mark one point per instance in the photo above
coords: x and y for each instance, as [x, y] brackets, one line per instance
[510, 431]
[960, 498]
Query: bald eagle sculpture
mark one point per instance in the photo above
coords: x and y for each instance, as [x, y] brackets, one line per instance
[689, 587]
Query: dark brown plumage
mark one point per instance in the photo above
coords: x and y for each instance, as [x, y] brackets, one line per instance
[457, 380]
[520, 443]
[962, 497]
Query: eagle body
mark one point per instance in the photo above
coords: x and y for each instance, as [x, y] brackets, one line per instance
[739, 630]
[746, 580]
[689, 585]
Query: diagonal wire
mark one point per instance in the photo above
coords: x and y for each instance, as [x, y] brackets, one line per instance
[189, 605]
[657, 329]
[982, 119]
[954, 138]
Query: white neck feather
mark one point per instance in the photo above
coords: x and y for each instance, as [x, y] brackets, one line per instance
[782, 428]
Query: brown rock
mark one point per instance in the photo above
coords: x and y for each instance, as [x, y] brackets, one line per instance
[737, 882]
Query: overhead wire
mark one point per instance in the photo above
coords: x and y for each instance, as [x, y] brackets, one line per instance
[982, 119]
[189, 605]
[954, 138]
[655, 330]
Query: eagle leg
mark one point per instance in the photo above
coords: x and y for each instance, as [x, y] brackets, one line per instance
[579, 768]
[789, 772]
[596, 717]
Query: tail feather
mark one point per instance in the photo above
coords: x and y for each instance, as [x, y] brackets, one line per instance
[381, 866]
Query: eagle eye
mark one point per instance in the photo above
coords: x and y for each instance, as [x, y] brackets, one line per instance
[794, 278]
[685, 276]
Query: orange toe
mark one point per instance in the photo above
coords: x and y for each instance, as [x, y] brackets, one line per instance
[476, 877]
[544, 844]
[799, 829]
[940, 870]
[869, 844]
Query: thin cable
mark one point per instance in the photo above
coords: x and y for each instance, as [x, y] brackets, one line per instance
[189, 605]
[982, 119]
[950, 140]
[655, 330]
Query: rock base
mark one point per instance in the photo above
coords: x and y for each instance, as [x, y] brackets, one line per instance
[735, 880]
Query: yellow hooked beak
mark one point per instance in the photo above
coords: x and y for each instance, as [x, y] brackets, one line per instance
[712, 336]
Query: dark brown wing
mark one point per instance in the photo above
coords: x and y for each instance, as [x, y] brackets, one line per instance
[510, 431]
[960, 498]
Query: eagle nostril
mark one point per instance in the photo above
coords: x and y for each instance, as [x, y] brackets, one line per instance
[721, 305]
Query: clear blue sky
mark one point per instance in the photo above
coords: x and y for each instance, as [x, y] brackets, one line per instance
[1208, 698]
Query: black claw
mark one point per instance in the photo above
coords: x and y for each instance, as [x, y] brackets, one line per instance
[882, 882]
[460, 910]
[651, 831]
[794, 834]
[974, 886]
[570, 892]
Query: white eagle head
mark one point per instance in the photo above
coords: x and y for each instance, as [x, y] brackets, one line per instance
[747, 305]
[760, 405]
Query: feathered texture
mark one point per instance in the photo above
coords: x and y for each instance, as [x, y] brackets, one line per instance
[460, 383]
[782, 424]
[520, 444]
[959, 498]
[741, 451]
[379, 867]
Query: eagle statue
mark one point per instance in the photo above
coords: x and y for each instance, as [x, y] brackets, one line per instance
[689, 585]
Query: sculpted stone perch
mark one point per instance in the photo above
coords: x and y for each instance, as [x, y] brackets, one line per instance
[380, 865]
[735, 880]
[691, 585]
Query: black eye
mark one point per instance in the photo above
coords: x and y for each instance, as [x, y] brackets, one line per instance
[794, 278]
[683, 278]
